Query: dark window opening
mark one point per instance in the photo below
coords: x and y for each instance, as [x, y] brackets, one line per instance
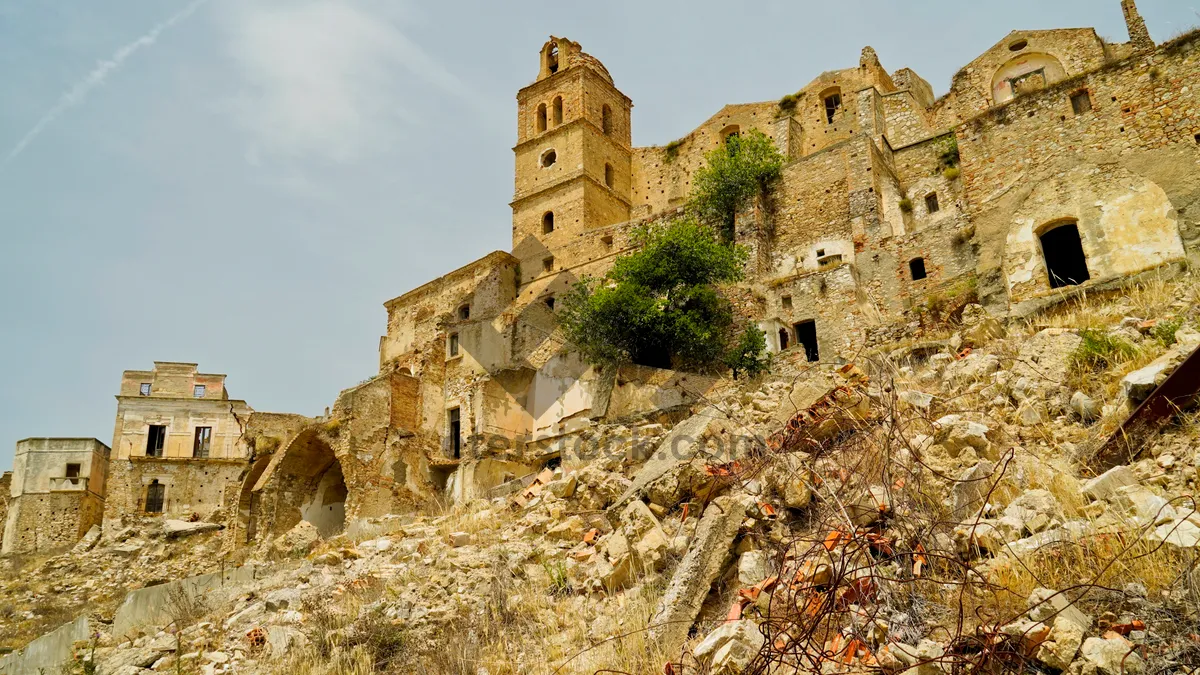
[198, 391]
[452, 347]
[1018, 45]
[548, 264]
[144, 390]
[931, 202]
[549, 300]
[558, 110]
[73, 470]
[833, 103]
[806, 334]
[455, 433]
[1066, 265]
[820, 252]
[552, 59]
[1198, 138]
[541, 117]
[916, 268]
[156, 438]
[548, 222]
[787, 302]
[606, 119]
[464, 312]
[731, 131]
[203, 442]
[783, 339]
[607, 240]
[609, 175]
[1081, 102]
[155, 493]
[549, 158]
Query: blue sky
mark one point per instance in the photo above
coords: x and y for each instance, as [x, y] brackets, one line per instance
[243, 183]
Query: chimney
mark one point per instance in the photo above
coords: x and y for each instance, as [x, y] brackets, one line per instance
[1139, 36]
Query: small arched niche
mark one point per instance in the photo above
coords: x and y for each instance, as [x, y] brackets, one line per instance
[548, 222]
[731, 131]
[541, 117]
[609, 175]
[606, 119]
[1062, 252]
[558, 110]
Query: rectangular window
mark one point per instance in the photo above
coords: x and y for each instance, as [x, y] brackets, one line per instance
[916, 268]
[806, 334]
[787, 302]
[548, 264]
[452, 345]
[144, 390]
[203, 442]
[156, 440]
[455, 432]
[931, 203]
[198, 391]
[464, 312]
[832, 104]
[1081, 102]
[73, 470]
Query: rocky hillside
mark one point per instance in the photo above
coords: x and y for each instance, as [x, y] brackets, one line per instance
[938, 506]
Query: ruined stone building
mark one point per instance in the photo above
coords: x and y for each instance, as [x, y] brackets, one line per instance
[56, 493]
[178, 442]
[1057, 163]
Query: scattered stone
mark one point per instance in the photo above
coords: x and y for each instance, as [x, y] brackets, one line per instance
[730, 648]
[458, 539]
[1111, 656]
[182, 528]
[1104, 485]
[1083, 406]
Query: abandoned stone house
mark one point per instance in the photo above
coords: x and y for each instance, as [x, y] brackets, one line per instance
[55, 493]
[1057, 162]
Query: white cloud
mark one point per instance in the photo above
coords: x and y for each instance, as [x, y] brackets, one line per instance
[80, 90]
[325, 78]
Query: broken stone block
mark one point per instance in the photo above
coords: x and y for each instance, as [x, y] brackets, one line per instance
[957, 434]
[1030, 413]
[651, 549]
[730, 648]
[297, 541]
[870, 507]
[788, 479]
[89, 540]
[975, 367]
[1083, 406]
[1061, 646]
[1143, 505]
[1047, 605]
[1046, 357]
[1138, 385]
[1036, 510]
[332, 559]
[458, 539]
[564, 488]
[1182, 534]
[571, 530]
[971, 490]
[637, 519]
[1104, 485]
[182, 528]
[752, 568]
[1111, 656]
[711, 547]
[917, 399]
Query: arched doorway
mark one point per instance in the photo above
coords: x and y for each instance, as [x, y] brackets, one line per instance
[1062, 249]
[303, 482]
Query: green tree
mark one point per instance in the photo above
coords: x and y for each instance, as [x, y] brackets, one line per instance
[744, 167]
[659, 305]
[749, 355]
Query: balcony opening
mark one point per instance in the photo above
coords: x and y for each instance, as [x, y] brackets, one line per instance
[548, 264]
[806, 334]
[202, 443]
[156, 439]
[455, 432]
[73, 470]
[1062, 249]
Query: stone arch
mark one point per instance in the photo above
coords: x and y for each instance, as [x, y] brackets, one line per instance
[1023, 73]
[831, 103]
[1126, 225]
[247, 499]
[304, 481]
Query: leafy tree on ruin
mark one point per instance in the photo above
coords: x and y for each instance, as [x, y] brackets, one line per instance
[659, 305]
[745, 167]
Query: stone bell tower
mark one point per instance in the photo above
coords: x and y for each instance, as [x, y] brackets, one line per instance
[573, 160]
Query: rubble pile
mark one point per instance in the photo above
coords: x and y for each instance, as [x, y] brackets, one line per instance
[933, 508]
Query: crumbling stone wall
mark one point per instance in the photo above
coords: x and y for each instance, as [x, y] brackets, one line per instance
[47, 521]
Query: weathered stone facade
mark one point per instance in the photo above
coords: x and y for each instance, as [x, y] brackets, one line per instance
[56, 493]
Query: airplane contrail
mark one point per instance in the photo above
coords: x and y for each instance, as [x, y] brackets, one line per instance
[77, 93]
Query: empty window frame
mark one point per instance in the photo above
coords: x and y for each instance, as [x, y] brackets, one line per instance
[1062, 249]
[454, 432]
[541, 117]
[1081, 102]
[73, 470]
[202, 445]
[558, 110]
[156, 440]
[452, 345]
[199, 390]
[931, 203]
[606, 119]
[806, 335]
[833, 103]
[156, 494]
[916, 269]
[464, 312]
[144, 389]
[548, 264]
[609, 175]
[787, 302]
[783, 339]
[547, 222]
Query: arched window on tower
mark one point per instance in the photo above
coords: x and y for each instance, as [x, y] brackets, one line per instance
[548, 222]
[552, 59]
[541, 117]
[832, 100]
[558, 110]
[609, 175]
[606, 119]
